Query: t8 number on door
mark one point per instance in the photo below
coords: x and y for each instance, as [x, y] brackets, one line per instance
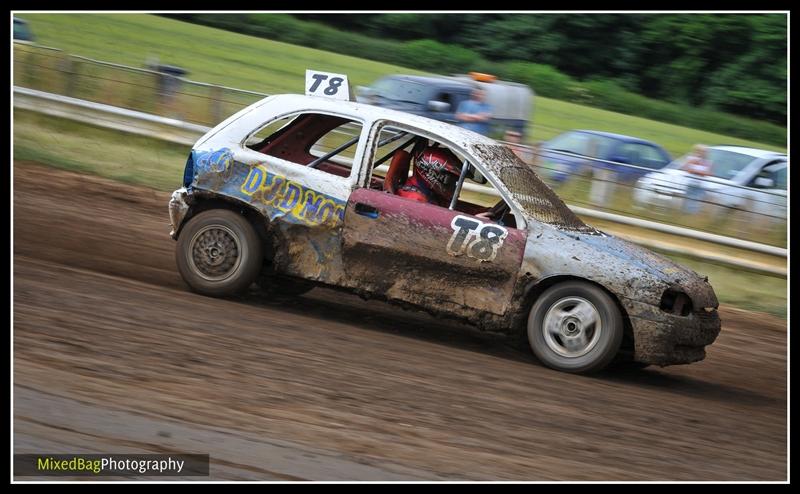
[476, 239]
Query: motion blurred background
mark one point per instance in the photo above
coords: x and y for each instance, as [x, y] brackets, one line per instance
[114, 354]
[650, 87]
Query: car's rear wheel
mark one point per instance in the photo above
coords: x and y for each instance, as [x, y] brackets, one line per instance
[219, 253]
[575, 326]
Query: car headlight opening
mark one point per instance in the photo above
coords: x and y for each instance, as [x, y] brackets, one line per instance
[676, 302]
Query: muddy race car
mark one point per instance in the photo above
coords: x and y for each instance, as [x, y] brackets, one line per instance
[297, 191]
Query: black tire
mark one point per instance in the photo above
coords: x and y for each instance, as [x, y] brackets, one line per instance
[573, 341]
[219, 253]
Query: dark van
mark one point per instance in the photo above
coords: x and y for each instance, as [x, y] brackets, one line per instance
[438, 97]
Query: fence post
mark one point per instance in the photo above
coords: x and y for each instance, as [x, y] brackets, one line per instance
[216, 105]
[30, 70]
[71, 74]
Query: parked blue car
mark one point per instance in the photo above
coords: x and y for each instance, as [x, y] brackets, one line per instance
[22, 31]
[584, 144]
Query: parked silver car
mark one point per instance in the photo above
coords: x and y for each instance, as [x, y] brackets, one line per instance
[741, 178]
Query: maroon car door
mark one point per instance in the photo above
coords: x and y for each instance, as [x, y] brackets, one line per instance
[428, 255]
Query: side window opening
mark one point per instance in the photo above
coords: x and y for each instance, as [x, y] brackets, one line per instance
[775, 171]
[458, 98]
[780, 177]
[393, 171]
[258, 140]
[642, 155]
[325, 142]
[484, 201]
[446, 97]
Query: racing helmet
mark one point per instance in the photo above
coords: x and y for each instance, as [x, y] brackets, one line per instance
[439, 169]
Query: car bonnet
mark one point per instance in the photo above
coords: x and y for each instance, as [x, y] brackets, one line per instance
[656, 265]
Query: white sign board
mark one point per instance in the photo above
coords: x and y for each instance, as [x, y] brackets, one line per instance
[327, 85]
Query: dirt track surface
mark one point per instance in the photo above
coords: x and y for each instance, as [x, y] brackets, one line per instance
[113, 354]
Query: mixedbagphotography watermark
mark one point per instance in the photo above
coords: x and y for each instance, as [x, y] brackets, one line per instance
[97, 465]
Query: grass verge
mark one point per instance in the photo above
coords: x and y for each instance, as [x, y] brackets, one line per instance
[257, 64]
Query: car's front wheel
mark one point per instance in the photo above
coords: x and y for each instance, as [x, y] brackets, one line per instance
[219, 253]
[575, 326]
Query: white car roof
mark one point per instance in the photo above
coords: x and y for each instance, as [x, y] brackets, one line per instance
[754, 152]
[369, 112]
[251, 117]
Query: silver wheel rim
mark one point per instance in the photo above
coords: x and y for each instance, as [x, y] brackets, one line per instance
[215, 253]
[572, 327]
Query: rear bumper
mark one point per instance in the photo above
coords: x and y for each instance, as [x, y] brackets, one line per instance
[667, 339]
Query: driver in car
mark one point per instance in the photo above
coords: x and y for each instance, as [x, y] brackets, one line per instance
[434, 179]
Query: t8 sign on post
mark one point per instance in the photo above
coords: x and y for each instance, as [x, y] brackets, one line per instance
[328, 85]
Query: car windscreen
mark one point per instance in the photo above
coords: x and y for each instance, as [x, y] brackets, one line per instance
[533, 196]
[581, 143]
[403, 91]
[724, 164]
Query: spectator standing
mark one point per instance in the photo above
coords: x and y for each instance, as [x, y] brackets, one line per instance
[475, 113]
[514, 141]
[697, 166]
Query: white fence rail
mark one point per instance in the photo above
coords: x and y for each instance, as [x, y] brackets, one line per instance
[185, 133]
